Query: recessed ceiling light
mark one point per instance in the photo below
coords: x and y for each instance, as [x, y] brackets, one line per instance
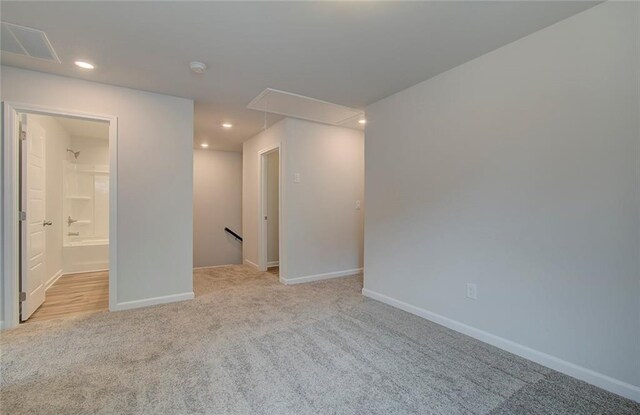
[204, 145]
[84, 64]
[227, 125]
[362, 121]
[197, 67]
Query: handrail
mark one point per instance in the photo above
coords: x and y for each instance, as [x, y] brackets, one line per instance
[238, 237]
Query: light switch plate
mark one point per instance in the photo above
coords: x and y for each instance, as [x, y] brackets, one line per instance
[472, 291]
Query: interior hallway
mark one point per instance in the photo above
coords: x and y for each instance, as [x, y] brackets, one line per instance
[250, 345]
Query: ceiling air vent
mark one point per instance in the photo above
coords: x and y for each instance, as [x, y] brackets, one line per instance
[299, 106]
[27, 42]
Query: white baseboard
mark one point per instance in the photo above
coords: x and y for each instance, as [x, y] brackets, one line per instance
[318, 277]
[214, 266]
[598, 379]
[87, 267]
[52, 280]
[251, 264]
[128, 305]
[65, 274]
[273, 264]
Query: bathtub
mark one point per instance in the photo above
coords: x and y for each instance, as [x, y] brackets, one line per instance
[85, 255]
[88, 242]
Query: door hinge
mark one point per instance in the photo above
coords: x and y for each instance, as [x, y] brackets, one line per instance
[23, 135]
[23, 296]
[22, 215]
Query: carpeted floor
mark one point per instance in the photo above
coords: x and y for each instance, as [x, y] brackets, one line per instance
[249, 345]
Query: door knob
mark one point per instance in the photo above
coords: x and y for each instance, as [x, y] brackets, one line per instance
[47, 223]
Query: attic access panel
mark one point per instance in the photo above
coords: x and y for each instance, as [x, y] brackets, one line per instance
[293, 105]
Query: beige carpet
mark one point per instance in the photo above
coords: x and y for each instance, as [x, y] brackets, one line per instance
[249, 345]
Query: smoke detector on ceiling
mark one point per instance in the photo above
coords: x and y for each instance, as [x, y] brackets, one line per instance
[197, 67]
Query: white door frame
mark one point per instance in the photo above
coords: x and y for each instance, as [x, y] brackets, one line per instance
[262, 211]
[34, 298]
[11, 198]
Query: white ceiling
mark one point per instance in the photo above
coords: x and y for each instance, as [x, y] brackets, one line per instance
[348, 53]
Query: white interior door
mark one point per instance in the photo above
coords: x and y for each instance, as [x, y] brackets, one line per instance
[273, 214]
[33, 228]
[265, 220]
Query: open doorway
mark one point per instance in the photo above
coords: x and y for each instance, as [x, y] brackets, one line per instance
[59, 256]
[270, 211]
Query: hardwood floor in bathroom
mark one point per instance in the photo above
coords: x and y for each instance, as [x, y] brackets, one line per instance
[75, 294]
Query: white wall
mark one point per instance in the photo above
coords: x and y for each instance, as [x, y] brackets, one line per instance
[92, 150]
[155, 177]
[518, 171]
[324, 230]
[273, 211]
[251, 187]
[217, 203]
[321, 229]
[56, 141]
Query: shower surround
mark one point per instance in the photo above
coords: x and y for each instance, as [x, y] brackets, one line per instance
[85, 217]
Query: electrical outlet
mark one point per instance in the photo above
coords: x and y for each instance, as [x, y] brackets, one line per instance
[357, 205]
[472, 291]
[296, 177]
